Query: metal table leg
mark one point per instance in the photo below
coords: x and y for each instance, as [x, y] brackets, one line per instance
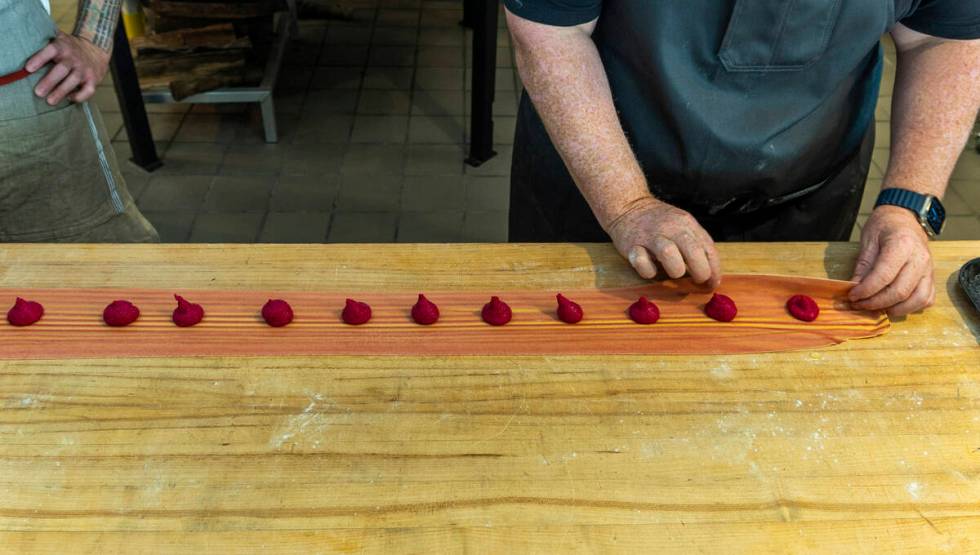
[131, 103]
[484, 74]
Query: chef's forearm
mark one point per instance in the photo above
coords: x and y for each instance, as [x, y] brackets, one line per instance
[564, 76]
[936, 98]
[96, 21]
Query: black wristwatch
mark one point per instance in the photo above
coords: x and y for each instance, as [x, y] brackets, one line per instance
[931, 214]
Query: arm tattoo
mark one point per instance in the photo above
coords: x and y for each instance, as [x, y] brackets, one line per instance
[97, 21]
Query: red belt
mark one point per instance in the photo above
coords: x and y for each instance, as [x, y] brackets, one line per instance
[13, 77]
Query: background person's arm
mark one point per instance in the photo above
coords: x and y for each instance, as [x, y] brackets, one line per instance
[78, 61]
[564, 76]
[935, 103]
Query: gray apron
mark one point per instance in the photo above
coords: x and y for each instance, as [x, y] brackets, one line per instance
[737, 111]
[59, 178]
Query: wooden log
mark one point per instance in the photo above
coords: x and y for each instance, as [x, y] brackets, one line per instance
[213, 36]
[161, 64]
[215, 10]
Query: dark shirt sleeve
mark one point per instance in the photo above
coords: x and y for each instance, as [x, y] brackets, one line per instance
[560, 13]
[948, 19]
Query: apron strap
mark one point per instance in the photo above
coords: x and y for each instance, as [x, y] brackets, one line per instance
[13, 77]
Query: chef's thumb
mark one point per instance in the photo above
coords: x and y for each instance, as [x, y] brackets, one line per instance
[865, 260]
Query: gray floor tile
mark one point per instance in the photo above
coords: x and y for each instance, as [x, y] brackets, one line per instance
[349, 35]
[294, 102]
[137, 180]
[169, 193]
[487, 193]
[380, 129]
[337, 78]
[441, 17]
[313, 159]
[503, 129]
[498, 165]
[163, 127]
[388, 78]
[485, 226]
[330, 128]
[173, 227]
[240, 194]
[301, 55]
[291, 227]
[394, 36]
[441, 36]
[363, 227]
[373, 159]
[430, 227]
[969, 191]
[433, 193]
[379, 102]
[882, 134]
[364, 14]
[438, 103]
[968, 166]
[436, 129]
[113, 125]
[871, 190]
[440, 56]
[105, 99]
[962, 228]
[370, 193]
[332, 101]
[343, 55]
[392, 56]
[291, 80]
[438, 78]
[211, 128]
[955, 204]
[398, 17]
[249, 160]
[434, 160]
[400, 3]
[309, 193]
[218, 227]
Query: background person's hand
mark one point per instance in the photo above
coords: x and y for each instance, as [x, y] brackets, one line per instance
[651, 233]
[894, 268]
[76, 68]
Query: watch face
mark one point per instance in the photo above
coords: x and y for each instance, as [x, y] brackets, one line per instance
[936, 216]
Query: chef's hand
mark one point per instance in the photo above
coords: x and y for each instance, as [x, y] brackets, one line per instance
[651, 232]
[894, 268]
[77, 67]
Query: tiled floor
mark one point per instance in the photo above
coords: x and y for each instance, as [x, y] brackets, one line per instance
[373, 123]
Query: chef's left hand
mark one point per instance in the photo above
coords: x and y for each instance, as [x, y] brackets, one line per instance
[77, 67]
[894, 268]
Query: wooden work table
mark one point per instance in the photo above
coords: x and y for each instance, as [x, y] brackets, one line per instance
[869, 446]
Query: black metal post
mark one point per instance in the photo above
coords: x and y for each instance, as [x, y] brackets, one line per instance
[484, 76]
[131, 103]
[469, 7]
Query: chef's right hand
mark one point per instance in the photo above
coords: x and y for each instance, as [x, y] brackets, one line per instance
[649, 233]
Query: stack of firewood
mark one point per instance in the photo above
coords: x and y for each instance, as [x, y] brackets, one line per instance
[193, 46]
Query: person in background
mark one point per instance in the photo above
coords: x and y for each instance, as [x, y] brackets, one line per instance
[59, 178]
[666, 125]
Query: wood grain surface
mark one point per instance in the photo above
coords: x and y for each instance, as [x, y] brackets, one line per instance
[73, 328]
[868, 446]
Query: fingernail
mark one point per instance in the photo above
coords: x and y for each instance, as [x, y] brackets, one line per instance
[632, 257]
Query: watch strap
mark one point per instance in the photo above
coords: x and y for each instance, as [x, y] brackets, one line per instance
[902, 197]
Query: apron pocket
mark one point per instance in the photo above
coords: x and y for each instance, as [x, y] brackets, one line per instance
[54, 177]
[777, 35]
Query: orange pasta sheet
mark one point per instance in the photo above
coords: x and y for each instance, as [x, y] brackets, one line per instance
[72, 326]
